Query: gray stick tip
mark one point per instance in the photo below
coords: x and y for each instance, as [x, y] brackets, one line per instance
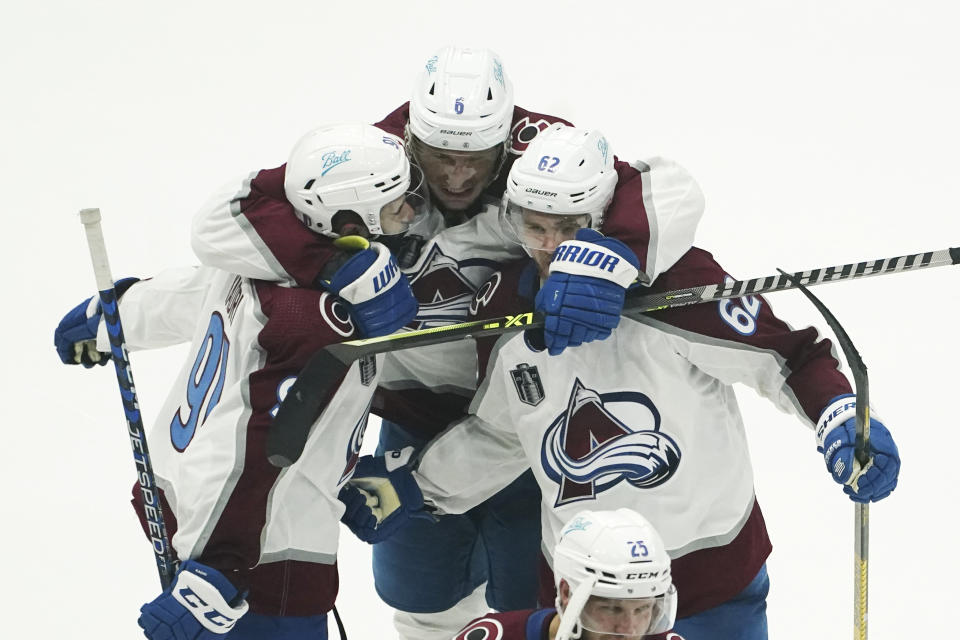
[90, 216]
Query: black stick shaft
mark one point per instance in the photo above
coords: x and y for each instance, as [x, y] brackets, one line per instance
[313, 388]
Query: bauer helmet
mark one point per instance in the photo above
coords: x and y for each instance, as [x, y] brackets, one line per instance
[338, 169]
[564, 171]
[462, 101]
[618, 574]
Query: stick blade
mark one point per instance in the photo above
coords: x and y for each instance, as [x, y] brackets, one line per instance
[302, 407]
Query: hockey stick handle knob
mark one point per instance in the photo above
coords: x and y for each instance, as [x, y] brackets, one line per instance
[98, 248]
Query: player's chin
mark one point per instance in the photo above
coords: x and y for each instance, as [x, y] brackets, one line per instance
[457, 201]
[542, 259]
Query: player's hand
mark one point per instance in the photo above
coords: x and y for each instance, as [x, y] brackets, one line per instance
[583, 296]
[376, 292]
[200, 605]
[836, 438]
[397, 498]
[358, 512]
[76, 336]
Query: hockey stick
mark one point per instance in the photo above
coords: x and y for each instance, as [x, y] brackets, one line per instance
[861, 529]
[315, 384]
[166, 562]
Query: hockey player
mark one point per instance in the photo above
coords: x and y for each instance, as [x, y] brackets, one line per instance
[613, 581]
[461, 125]
[258, 548]
[648, 418]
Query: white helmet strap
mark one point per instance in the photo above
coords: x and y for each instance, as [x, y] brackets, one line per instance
[569, 628]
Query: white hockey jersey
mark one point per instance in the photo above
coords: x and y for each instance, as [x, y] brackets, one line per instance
[251, 230]
[646, 419]
[271, 531]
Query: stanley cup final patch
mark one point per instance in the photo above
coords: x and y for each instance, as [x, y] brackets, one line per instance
[527, 381]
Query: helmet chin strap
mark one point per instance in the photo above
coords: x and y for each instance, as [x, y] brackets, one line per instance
[569, 628]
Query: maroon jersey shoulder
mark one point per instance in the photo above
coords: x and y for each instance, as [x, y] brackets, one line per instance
[526, 125]
[814, 374]
[301, 252]
[626, 217]
[396, 121]
[509, 625]
[300, 322]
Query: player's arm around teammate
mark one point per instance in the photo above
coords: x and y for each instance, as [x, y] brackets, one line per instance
[259, 547]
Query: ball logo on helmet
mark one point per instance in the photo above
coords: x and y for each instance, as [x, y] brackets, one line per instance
[577, 524]
[498, 72]
[603, 147]
[332, 159]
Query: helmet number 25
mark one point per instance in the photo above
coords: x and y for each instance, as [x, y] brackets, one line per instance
[638, 549]
[548, 164]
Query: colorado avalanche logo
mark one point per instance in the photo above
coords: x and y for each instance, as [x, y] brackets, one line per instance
[443, 289]
[589, 449]
[353, 448]
[523, 133]
[485, 294]
[336, 315]
[484, 629]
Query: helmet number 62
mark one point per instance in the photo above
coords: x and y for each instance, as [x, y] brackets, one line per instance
[548, 164]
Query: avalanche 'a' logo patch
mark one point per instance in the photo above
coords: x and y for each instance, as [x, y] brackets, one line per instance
[336, 315]
[523, 132]
[445, 287]
[603, 439]
[483, 629]
[353, 447]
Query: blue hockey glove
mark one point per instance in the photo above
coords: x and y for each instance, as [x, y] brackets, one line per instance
[76, 336]
[200, 605]
[583, 296]
[377, 293]
[389, 481]
[836, 438]
[358, 515]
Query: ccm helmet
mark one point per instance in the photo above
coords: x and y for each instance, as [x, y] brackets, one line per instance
[462, 101]
[351, 167]
[616, 555]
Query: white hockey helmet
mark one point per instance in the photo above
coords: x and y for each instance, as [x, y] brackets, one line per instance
[462, 101]
[613, 555]
[564, 171]
[347, 167]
